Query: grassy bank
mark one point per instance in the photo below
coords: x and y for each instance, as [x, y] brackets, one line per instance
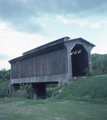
[68, 102]
[23, 109]
[92, 89]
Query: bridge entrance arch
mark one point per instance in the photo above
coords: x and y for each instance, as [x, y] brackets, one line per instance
[79, 59]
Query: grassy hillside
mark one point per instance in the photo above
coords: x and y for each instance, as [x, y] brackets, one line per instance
[63, 105]
[86, 89]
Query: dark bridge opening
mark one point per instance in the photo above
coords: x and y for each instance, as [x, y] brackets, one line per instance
[38, 90]
[79, 58]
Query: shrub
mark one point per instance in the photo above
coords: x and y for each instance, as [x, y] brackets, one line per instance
[49, 91]
[20, 93]
[88, 73]
[23, 91]
[4, 75]
[25, 86]
[4, 89]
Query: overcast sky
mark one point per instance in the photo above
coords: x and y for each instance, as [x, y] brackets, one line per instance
[26, 24]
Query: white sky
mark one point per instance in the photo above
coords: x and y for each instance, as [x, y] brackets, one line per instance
[26, 24]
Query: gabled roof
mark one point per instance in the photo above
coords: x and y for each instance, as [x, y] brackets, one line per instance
[28, 54]
[31, 53]
[83, 40]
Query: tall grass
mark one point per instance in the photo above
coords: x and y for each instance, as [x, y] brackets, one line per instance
[87, 89]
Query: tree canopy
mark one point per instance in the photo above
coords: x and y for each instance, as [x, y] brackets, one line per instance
[4, 75]
[99, 64]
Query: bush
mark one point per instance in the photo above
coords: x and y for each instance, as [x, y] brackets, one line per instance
[20, 93]
[4, 89]
[23, 91]
[4, 75]
[88, 73]
[49, 91]
[25, 86]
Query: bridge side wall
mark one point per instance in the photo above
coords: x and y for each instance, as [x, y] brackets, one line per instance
[44, 68]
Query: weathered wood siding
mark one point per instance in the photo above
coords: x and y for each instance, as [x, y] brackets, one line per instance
[51, 63]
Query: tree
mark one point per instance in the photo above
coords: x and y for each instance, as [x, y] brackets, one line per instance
[4, 75]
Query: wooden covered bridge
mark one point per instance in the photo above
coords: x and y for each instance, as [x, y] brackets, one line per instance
[55, 62]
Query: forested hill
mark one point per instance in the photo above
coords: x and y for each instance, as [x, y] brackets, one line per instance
[99, 64]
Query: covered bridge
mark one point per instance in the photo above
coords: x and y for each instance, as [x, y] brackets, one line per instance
[55, 62]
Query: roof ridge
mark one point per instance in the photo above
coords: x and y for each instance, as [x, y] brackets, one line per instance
[58, 41]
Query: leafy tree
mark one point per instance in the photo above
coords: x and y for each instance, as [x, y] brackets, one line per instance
[4, 75]
[99, 64]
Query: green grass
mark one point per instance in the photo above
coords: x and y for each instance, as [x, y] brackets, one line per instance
[92, 89]
[25, 103]
[23, 109]
[50, 91]
[69, 104]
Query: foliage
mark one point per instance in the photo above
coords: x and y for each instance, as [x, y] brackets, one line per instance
[88, 73]
[23, 91]
[4, 89]
[4, 83]
[4, 75]
[20, 93]
[52, 85]
[99, 64]
[25, 86]
[50, 91]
